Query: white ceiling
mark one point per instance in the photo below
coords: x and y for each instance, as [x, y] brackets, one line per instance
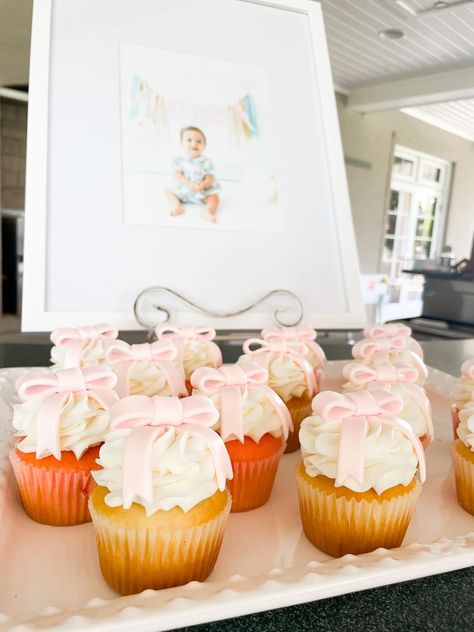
[434, 41]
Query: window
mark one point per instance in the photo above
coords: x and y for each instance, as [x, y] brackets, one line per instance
[416, 212]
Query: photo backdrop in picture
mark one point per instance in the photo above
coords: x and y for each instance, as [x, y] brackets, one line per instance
[197, 136]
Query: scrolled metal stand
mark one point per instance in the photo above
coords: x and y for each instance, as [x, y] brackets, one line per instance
[148, 297]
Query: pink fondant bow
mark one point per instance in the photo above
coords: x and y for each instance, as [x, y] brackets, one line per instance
[352, 410]
[360, 374]
[300, 334]
[75, 339]
[367, 347]
[54, 389]
[149, 418]
[181, 335]
[290, 348]
[467, 370]
[389, 329]
[230, 381]
[162, 354]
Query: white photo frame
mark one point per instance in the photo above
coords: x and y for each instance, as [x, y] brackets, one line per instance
[83, 264]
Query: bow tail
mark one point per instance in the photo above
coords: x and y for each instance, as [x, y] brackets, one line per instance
[47, 426]
[407, 431]
[137, 466]
[309, 375]
[72, 354]
[350, 461]
[175, 380]
[122, 370]
[232, 422]
[215, 354]
[317, 350]
[280, 408]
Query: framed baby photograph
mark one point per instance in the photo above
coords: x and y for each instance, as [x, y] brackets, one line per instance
[191, 145]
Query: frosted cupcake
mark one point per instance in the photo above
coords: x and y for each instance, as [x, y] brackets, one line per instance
[195, 347]
[392, 330]
[254, 423]
[80, 347]
[400, 380]
[371, 351]
[61, 422]
[357, 484]
[463, 457]
[146, 369]
[315, 356]
[464, 391]
[290, 375]
[161, 503]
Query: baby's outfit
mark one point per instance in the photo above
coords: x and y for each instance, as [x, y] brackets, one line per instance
[195, 169]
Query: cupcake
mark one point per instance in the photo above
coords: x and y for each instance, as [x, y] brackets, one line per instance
[464, 392]
[357, 484]
[145, 369]
[392, 330]
[161, 503]
[254, 424]
[61, 422]
[371, 351]
[463, 457]
[400, 380]
[290, 375]
[80, 347]
[315, 356]
[195, 348]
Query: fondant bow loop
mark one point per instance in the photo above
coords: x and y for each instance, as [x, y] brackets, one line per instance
[120, 351]
[194, 333]
[207, 379]
[467, 370]
[359, 374]
[289, 333]
[366, 348]
[40, 384]
[390, 330]
[65, 335]
[148, 418]
[293, 347]
[331, 406]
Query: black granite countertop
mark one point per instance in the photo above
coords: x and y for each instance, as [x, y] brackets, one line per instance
[440, 603]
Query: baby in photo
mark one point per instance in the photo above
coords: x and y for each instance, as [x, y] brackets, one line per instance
[194, 181]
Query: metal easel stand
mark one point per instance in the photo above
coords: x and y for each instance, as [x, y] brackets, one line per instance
[149, 301]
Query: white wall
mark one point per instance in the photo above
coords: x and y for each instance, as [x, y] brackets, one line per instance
[369, 138]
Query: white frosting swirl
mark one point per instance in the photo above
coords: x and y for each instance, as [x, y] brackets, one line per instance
[285, 375]
[183, 471]
[465, 430]
[82, 424]
[412, 412]
[389, 458]
[92, 354]
[464, 392]
[147, 378]
[258, 414]
[196, 354]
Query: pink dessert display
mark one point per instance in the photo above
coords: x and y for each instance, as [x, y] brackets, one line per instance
[254, 423]
[146, 369]
[399, 379]
[315, 356]
[61, 422]
[81, 346]
[195, 347]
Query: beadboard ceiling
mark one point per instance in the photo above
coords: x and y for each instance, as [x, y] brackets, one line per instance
[435, 41]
